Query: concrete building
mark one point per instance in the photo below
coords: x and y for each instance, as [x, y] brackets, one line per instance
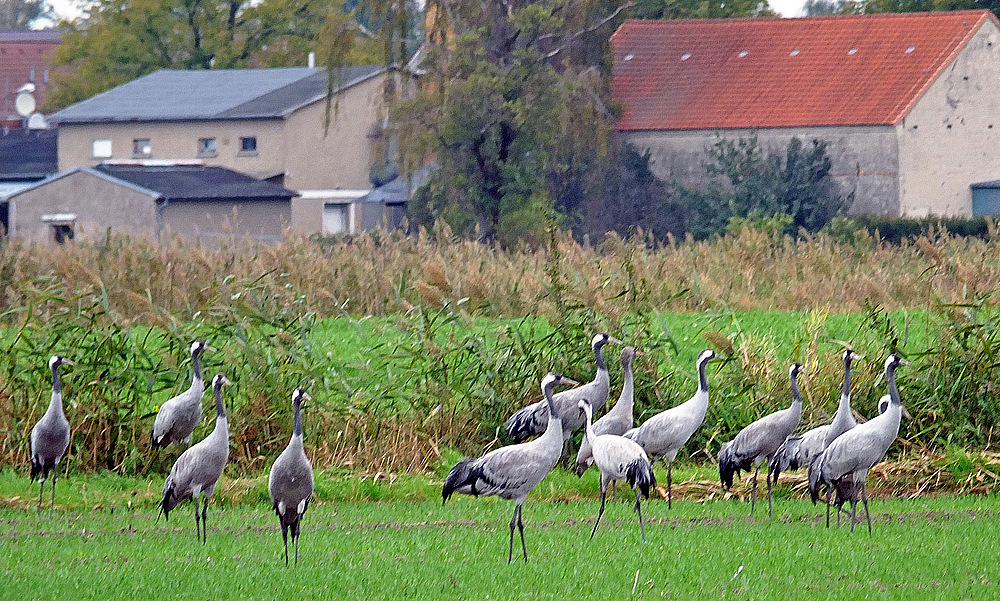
[194, 201]
[267, 123]
[909, 103]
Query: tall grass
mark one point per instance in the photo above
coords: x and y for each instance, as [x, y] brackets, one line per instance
[450, 336]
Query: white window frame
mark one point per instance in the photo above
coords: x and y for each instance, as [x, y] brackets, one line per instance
[101, 149]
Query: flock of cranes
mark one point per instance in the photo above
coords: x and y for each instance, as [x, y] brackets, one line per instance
[838, 456]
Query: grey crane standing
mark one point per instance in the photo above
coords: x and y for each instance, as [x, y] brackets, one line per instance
[197, 470]
[663, 435]
[799, 451]
[50, 436]
[177, 418]
[291, 481]
[532, 420]
[619, 458]
[619, 419]
[843, 467]
[511, 472]
[759, 441]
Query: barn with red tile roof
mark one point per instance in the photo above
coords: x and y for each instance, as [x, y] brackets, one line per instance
[908, 103]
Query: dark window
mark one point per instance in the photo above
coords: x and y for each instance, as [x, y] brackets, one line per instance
[142, 147]
[248, 144]
[207, 147]
[62, 232]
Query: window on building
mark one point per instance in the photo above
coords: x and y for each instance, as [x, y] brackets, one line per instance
[142, 147]
[207, 147]
[102, 149]
[248, 146]
[62, 225]
[336, 219]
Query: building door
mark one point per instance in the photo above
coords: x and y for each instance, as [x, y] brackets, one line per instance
[4, 218]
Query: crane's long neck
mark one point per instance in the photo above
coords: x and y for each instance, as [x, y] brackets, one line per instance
[796, 395]
[702, 378]
[220, 408]
[627, 398]
[846, 392]
[55, 403]
[554, 427]
[890, 378]
[196, 365]
[297, 431]
[599, 356]
[589, 427]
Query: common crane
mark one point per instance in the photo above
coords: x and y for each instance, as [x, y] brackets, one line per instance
[197, 470]
[758, 441]
[843, 467]
[291, 481]
[618, 420]
[177, 417]
[511, 472]
[619, 458]
[50, 436]
[531, 420]
[798, 451]
[663, 435]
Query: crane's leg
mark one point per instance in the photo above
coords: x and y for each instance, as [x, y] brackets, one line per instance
[828, 493]
[604, 490]
[284, 536]
[520, 528]
[638, 509]
[854, 511]
[295, 537]
[670, 493]
[753, 492]
[41, 487]
[864, 499]
[513, 523]
[204, 521]
[197, 518]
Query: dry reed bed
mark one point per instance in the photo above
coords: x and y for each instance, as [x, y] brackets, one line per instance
[163, 283]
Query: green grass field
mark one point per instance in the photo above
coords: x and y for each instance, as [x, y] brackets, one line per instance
[104, 542]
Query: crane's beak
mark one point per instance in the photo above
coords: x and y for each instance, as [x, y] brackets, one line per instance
[306, 397]
[640, 354]
[904, 362]
[211, 349]
[612, 339]
[568, 382]
[906, 413]
[66, 361]
[226, 382]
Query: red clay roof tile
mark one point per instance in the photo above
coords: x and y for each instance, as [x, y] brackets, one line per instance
[754, 73]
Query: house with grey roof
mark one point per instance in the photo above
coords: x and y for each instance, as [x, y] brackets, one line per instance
[190, 200]
[266, 123]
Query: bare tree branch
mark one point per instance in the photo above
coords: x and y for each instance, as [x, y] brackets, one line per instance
[587, 30]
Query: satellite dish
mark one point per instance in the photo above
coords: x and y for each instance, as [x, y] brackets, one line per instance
[37, 121]
[28, 87]
[24, 104]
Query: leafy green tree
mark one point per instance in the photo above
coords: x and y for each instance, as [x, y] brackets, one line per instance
[702, 9]
[513, 109]
[746, 181]
[19, 14]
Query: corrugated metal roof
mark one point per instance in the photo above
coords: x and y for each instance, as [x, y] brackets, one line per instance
[751, 73]
[195, 182]
[173, 95]
[28, 154]
[38, 36]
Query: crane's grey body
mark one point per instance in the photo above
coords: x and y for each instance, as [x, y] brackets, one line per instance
[511, 472]
[758, 441]
[618, 420]
[290, 483]
[619, 458]
[799, 451]
[533, 419]
[178, 417]
[197, 470]
[663, 435]
[844, 465]
[50, 436]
